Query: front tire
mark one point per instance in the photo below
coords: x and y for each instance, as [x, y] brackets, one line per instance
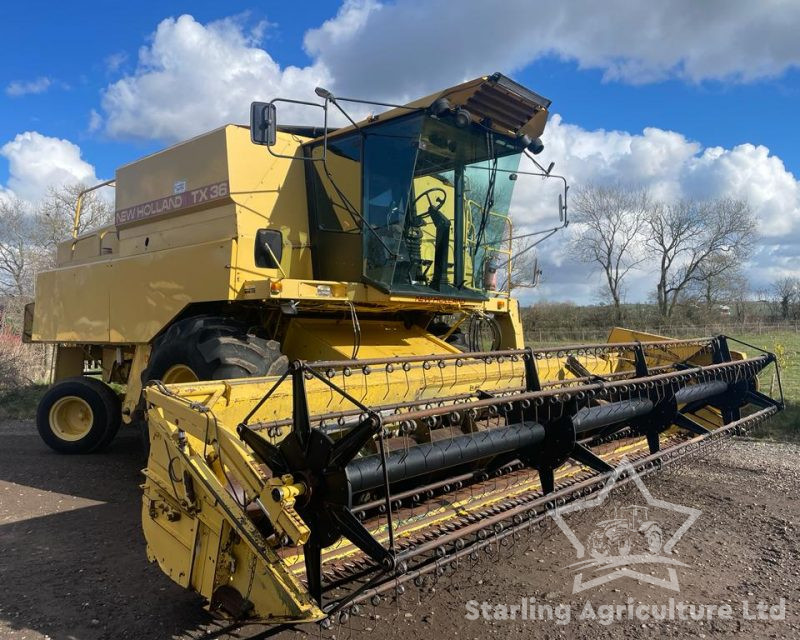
[78, 415]
[210, 348]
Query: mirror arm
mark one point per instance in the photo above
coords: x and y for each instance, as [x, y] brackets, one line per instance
[332, 99]
[324, 108]
[358, 219]
[547, 171]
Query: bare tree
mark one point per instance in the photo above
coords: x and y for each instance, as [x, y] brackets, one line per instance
[738, 293]
[714, 286]
[695, 241]
[17, 253]
[786, 291]
[54, 218]
[610, 221]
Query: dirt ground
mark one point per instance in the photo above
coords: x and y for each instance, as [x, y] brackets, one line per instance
[73, 565]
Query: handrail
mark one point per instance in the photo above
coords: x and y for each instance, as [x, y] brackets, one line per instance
[507, 239]
[79, 205]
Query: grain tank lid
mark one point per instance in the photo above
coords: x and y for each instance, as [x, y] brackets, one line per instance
[510, 108]
[180, 144]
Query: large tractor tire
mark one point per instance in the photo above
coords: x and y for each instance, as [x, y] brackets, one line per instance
[211, 348]
[78, 415]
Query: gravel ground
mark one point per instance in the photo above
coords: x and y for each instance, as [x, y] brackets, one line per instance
[72, 560]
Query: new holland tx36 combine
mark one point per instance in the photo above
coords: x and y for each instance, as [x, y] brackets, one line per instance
[319, 337]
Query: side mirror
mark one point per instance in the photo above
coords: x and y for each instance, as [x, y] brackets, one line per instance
[536, 276]
[263, 123]
[560, 208]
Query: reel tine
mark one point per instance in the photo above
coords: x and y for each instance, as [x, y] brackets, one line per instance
[301, 419]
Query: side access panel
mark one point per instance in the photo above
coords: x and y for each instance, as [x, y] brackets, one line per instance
[73, 304]
[154, 288]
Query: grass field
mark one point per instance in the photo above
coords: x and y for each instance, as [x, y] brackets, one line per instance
[21, 403]
[786, 345]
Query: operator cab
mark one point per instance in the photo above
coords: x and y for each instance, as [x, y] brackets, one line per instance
[434, 211]
[416, 201]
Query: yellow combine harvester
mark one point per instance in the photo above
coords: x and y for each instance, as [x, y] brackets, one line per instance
[321, 340]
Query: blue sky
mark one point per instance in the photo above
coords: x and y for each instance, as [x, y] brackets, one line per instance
[703, 96]
[75, 43]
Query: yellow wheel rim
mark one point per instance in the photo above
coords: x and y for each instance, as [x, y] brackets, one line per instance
[71, 418]
[179, 373]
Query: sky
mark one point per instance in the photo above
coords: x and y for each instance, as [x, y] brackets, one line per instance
[691, 99]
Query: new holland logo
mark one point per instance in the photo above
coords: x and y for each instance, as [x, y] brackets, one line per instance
[627, 539]
[181, 198]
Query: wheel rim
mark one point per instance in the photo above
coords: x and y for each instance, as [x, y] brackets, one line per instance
[71, 418]
[179, 373]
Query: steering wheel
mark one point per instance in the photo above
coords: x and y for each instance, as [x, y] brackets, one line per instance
[428, 194]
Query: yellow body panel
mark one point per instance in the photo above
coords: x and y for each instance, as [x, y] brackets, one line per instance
[323, 339]
[60, 317]
[268, 192]
[142, 273]
[130, 299]
[138, 312]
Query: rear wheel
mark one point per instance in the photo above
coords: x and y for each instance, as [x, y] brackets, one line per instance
[78, 415]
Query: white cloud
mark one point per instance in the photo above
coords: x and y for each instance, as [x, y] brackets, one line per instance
[194, 77]
[672, 167]
[20, 88]
[95, 121]
[751, 173]
[115, 61]
[396, 48]
[37, 162]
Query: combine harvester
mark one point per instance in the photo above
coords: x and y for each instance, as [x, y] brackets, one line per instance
[339, 397]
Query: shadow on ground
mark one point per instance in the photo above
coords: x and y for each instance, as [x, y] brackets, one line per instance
[73, 555]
